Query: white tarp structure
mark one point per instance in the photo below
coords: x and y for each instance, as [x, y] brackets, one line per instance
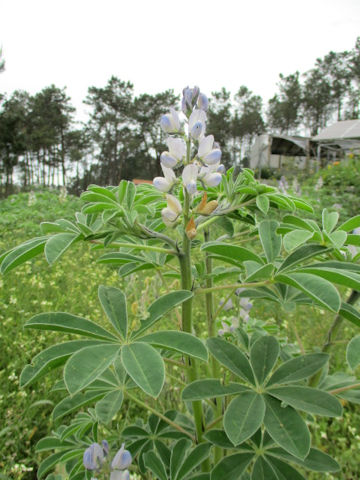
[344, 135]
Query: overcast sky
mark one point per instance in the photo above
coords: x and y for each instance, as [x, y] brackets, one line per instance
[161, 44]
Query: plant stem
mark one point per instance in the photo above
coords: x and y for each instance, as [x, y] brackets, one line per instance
[186, 312]
[233, 285]
[160, 415]
[211, 333]
[332, 333]
[344, 389]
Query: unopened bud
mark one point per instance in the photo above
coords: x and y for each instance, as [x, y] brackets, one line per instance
[203, 102]
[122, 459]
[209, 207]
[196, 130]
[191, 229]
[221, 168]
[202, 203]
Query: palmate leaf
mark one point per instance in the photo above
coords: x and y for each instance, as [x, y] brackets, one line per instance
[178, 455]
[342, 277]
[301, 254]
[263, 470]
[155, 464]
[231, 253]
[192, 460]
[350, 313]
[244, 416]
[283, 470]
[145, 366]
[287, 428]
[87, 365]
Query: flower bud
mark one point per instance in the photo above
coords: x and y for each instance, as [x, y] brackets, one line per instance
[105, 446]
[122, 459]
[190, 229]
[168, 160]
[189, 177]
[196, 130]
[203, 102]
[209, 207]
[93, 457]
[174, 204]
[221, 168]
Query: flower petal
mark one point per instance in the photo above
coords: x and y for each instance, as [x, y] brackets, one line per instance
[205, 145]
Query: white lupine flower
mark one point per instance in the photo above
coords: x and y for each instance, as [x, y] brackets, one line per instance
[212, 179]
[93, 457]
[170, 123]
[205, 146]
[221, 168]
[197, 116]
[177, 151]
[177, 147]
[207, 153]
[189, 177]
[171, 213]
[165, 183]
[203, 102]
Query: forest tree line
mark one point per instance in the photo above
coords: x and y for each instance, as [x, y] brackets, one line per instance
[42, 144]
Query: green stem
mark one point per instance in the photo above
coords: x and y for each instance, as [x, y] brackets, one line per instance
[344, 389]
[233, 285]
[209, 300]
[331, 335]
[160, 415]
[186, 313]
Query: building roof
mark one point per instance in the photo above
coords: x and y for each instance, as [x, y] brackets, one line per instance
[344, 130]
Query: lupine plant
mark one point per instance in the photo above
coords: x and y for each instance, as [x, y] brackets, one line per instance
[228, 401]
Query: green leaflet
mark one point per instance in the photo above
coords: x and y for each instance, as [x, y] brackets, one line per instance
[310, 400]
[244, 416]
[317, 288]
[86, 365]
[145, 366]
[109, 405]
[270, 240]
[51, 358]
[58, 244]
[161, 307]
[263, 356]
[287, 428]
[353, 352]
[231, 357]
[179, 341]
[66, 322]
[231, 467]
[113, 302]
[210, 388]
[22, 253]
[299, 368]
